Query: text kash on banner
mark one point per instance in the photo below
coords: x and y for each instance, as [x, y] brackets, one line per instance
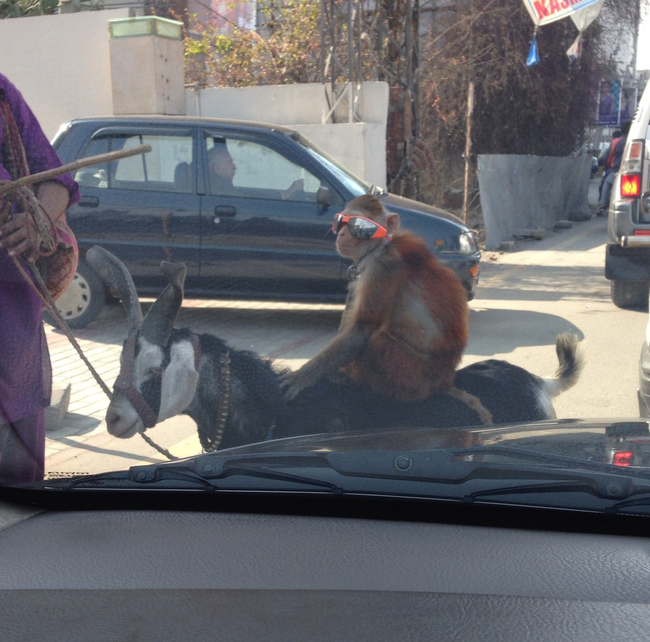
[544, 11]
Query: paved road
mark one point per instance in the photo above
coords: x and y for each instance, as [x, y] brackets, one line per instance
[524, 299]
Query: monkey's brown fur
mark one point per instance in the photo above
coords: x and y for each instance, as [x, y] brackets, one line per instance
[418, 313]
[405, 324]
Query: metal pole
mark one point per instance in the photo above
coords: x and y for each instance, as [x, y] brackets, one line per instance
[350, 62]
[468, 148]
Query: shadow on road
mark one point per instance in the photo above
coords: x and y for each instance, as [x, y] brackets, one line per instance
[502, 331]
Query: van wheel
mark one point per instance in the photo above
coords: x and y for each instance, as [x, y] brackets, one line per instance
[83, 300]
[630, 294]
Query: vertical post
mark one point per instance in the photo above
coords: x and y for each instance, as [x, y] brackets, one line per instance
[468, 147]
[351, 66]
[325, 102]
[334, 59]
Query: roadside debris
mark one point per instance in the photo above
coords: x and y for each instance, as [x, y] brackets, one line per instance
[537, 234]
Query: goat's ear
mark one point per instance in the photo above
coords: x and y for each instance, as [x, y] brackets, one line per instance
[179, 380]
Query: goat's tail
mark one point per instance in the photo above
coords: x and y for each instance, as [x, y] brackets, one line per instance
[570, 365]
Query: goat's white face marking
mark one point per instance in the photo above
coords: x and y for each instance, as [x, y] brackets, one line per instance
[179, 380]
[147, 362]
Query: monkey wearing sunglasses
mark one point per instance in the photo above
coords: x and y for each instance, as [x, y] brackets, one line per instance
[405, 324]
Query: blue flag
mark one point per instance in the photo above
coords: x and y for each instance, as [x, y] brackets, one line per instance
[533, 55]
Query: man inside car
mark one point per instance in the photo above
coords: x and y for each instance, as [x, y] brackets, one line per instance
[222, 171]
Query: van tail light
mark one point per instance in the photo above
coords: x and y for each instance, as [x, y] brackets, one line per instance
[623, 458]
[632, 157]
[630, 185]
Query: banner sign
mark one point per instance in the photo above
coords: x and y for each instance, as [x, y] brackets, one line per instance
[616, 103]
[545, 11]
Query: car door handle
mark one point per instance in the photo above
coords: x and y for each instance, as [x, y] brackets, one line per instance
[88, 201]
[225, 210]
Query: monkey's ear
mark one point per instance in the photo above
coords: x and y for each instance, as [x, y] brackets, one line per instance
[392, 223]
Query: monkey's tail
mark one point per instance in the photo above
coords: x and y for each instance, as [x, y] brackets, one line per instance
[570, 366]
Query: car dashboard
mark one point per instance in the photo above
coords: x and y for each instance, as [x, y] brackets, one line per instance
[194, 575]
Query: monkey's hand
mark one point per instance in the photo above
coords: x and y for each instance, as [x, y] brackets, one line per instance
[343, 349]
[292, 383]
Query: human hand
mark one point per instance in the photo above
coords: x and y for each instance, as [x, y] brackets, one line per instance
[19, 237]
[296, 186]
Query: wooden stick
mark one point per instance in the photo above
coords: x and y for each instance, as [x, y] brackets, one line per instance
[71, 167]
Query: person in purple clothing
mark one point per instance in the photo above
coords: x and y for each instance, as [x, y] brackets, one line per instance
[25, 371]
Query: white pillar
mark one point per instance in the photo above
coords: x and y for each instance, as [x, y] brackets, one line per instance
[147, 75]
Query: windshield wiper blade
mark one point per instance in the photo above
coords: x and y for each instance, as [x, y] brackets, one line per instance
[555, 473]
[213, 472]
[552, 458]
[159, 475]
[630, 502]
[123, 479]
[582, 485]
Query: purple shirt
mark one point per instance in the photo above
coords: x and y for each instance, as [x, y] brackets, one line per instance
[25, 378]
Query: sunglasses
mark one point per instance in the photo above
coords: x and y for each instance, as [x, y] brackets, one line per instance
[360, 227]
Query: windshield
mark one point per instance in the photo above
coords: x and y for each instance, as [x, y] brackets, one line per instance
[222, 304]
[356, 186]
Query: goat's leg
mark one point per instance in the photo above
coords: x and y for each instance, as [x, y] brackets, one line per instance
[473, 402]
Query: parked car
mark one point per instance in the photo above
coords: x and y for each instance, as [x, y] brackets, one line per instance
[627, 263]
[261, 233]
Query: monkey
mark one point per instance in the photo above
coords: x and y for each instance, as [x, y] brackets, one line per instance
[406, 320]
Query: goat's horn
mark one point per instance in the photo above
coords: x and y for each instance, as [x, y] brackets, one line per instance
[159, 322]
[114, 273]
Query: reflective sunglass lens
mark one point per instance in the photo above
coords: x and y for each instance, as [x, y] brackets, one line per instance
[362, 229]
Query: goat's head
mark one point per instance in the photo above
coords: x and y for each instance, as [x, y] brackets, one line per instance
[159, 374]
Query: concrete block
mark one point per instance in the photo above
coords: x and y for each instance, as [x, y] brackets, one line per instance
[563, 225]
[507, 246]
[58, 408]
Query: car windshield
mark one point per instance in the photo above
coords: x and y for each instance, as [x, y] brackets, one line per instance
[417, 267]
[352, 182]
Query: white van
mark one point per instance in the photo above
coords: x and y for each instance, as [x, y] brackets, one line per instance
[627, 263]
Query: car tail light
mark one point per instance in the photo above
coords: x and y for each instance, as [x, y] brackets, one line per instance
[623, 458]
[632, 157]
[630, 185]
[641, 232]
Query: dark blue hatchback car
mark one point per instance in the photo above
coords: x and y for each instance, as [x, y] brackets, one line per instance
[247, 207]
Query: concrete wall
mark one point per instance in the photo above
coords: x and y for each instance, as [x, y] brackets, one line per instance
[60, 64]
[361, 147]
[531, 192]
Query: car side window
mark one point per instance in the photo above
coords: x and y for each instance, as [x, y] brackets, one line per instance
[97, 175]
[244, 168]
[168, 167]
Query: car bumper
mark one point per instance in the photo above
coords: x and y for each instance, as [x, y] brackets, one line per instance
[627, 263]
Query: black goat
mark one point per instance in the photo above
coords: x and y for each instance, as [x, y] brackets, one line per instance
[235, 398]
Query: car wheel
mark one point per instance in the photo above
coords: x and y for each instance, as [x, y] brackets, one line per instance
[630, 294]
[83, 300]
